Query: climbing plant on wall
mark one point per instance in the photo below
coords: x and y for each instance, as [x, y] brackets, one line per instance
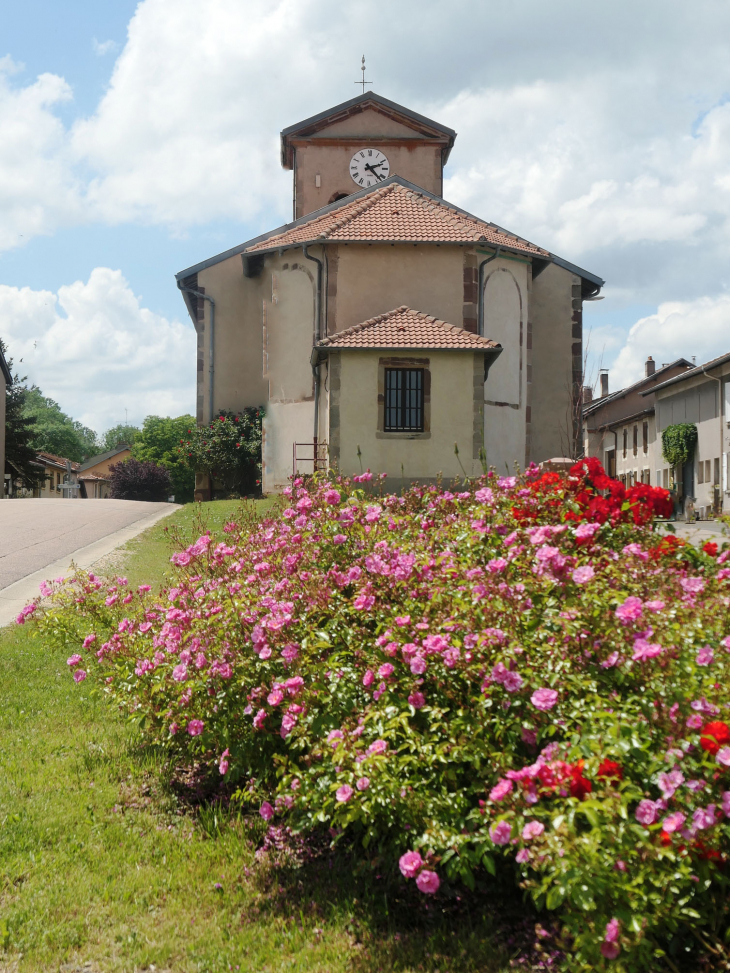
[678, 443]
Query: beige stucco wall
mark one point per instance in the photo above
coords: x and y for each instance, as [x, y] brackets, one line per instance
[713, 436]
[375, 279]
[550, 315]
[505, 394]
[452, 408]
[238, 350]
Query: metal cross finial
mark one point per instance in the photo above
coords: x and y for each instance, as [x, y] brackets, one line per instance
[363, 82]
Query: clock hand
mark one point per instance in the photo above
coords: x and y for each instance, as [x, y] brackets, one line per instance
[372, 169]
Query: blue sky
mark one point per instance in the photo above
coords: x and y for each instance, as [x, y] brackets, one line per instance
[141, 138]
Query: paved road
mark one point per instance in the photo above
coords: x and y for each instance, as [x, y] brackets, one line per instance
[35, 533]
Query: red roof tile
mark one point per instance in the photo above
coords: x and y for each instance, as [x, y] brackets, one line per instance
[57, 460]
[405, 328]
[396, 212]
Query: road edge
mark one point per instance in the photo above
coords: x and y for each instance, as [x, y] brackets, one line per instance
[19, 593]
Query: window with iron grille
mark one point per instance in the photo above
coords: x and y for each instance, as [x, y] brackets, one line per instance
[403, 400]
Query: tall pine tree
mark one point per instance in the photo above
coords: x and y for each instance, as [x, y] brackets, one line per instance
[19, 431]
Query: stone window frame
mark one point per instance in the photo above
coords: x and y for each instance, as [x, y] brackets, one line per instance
[404, 362]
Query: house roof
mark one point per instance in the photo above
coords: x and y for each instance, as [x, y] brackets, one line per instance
[89, 477]
[4, 369]
[624, 419]
[693, 372]
[368, 216]
[51, 459]
[93, 460]
[406, 328]
[421, 124]
[395, 211]
[595, 404]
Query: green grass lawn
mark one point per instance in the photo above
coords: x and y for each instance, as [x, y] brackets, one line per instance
[102, 862]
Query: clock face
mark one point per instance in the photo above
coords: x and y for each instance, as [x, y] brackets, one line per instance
[368, 167]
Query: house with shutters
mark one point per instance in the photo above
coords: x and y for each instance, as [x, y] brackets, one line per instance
[384, 327]
[620, 428]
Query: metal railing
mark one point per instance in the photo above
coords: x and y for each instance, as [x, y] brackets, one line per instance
[317, 458]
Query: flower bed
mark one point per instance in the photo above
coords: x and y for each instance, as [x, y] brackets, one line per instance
[521, 676]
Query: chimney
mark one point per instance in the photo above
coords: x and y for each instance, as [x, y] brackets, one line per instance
[650, 366]
[587, 394]
[604, 382]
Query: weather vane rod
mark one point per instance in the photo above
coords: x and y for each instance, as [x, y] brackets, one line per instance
[363, 82]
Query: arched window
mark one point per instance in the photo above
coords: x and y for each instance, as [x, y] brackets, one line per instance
[338, 195]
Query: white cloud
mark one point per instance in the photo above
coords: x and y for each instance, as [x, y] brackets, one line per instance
[97, 351]
[102, 48]
[679, 329]
[38, 192]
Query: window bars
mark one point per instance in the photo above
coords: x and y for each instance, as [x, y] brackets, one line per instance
[404, 398]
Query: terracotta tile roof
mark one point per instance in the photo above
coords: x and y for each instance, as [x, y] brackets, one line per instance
[396, 212]
[93, 476]
[51, 458]
[405, 328]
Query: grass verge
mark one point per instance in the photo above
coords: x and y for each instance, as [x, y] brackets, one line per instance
[103, 862]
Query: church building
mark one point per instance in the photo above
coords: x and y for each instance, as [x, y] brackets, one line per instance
[385, 328]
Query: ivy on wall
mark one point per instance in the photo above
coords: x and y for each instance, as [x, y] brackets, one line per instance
[678, 443]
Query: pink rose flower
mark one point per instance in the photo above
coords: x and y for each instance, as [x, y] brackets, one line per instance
[344, 793]
[500, 833]
[533, 829]
[266, 811]
[693, 586]
[368, 679]
[705, 656]
[195, 728]
[223, 764]
[410, 864]
[673, 822]
[646, 812]
[583, 574]
[385, 670]
[417, 700]
[74, 660]
[89, 640]
[500, 790]
[363, 784]
[79, 675]
[723, 756]
[610, 950]
[428, 882]
[378, 746]
[418, 665]
[544, 699]
[630, 610]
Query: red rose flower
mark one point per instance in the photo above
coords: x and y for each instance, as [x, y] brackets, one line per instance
[710, 547]
[714, 735]
[610, 770]
[579, 786]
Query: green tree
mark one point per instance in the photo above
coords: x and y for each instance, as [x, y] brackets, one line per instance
[158, 442]
[120, 434]
[54, 431]
[20, 429]
[229, 450]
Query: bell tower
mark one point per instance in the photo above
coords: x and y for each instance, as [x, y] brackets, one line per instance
[359, 143]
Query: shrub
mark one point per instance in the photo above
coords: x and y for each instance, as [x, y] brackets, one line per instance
[158, 441]
[678, 443]
[136, 480]
[520, 679]
[227, 449]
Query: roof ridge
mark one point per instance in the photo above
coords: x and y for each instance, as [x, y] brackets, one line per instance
[358, 209]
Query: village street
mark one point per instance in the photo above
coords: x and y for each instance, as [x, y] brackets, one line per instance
[40, 537]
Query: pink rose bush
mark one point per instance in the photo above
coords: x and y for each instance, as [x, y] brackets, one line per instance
[521, 679]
